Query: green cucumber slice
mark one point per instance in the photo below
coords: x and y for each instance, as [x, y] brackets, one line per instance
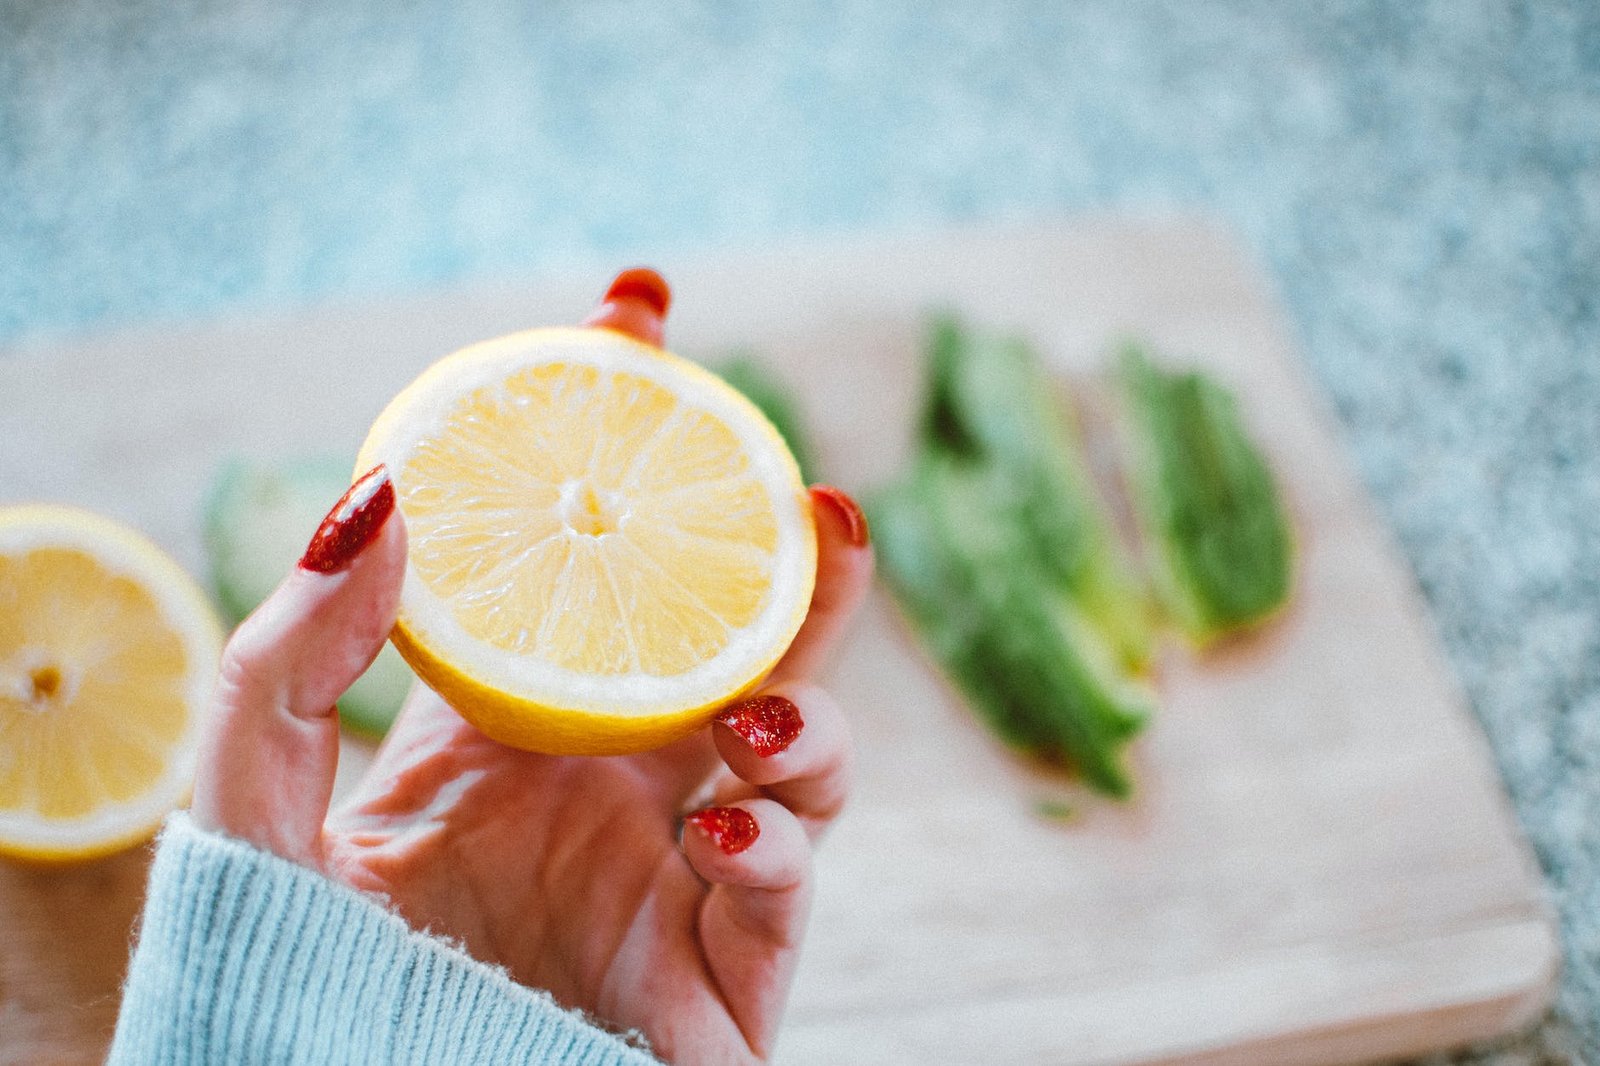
[1042, 674]
[761, 387]
[992, 403]
[1217, 538]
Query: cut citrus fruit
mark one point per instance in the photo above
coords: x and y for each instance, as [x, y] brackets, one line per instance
[108, 652]
[607, 542]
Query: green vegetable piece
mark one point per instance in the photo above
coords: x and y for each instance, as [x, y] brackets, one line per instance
[990, 401]
[1004, 563]
[1217, 538]
[258, 520]
[1042, 674]
[1054, 810]
[750, 376]
[371, 705]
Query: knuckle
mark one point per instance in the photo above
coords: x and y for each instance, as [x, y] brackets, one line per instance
[246, 659]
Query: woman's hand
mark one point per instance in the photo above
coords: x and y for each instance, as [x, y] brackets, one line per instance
[568, 871]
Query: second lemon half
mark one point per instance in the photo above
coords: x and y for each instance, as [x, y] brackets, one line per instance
[607, 542]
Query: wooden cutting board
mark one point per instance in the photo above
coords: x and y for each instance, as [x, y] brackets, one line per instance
[1319, 866]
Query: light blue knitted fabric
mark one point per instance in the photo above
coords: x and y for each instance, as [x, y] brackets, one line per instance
[244, 957]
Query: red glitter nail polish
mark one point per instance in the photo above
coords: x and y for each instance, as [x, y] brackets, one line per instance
[730, 828]
[848, 510]
[641, 283]
[767, 723]
[636, 304]
[353, 523]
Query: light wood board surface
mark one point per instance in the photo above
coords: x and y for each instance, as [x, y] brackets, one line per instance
[1319, 865]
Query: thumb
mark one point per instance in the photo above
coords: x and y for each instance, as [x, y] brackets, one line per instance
[271, 740]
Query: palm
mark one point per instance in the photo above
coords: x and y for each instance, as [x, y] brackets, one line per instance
[564, 870]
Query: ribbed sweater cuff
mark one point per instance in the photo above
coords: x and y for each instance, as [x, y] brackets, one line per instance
[244, 957]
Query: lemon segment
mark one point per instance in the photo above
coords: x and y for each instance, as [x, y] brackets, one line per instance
[108, 651]
[607, 542]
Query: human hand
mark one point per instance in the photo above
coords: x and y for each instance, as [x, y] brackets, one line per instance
[568, 871]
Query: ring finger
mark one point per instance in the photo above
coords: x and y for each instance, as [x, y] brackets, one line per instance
[790, 743]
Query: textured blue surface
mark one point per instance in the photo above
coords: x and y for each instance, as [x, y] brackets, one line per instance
[1423, 179]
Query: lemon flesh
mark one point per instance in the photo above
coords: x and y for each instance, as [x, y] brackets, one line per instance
[606, 541]
[108, 651]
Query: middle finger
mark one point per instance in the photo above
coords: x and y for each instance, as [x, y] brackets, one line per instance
[791, 743]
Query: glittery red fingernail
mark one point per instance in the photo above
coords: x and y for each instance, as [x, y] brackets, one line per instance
[767, 723]
[641, 283]
[353, 523]
[636, 304]
[730, 828]
[849, 512]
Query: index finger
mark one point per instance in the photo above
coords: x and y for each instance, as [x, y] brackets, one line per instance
[844, 573]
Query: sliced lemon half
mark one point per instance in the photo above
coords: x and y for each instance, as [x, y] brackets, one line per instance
[108, 652]
[607, 542]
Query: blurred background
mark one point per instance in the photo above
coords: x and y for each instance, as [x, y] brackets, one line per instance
[1421, 180]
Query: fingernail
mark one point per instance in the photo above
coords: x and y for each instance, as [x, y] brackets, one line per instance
[353, 523]
[848, 510]
[730, 828]
[767, 723]
[636, 304]
[644, 284]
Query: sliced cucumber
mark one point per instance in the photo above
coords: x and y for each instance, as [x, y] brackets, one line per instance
[258, 519]
[991, 402]
[1217, 538]
[1045, 676]
[370, 705]
[761, 387]
[1003, 557]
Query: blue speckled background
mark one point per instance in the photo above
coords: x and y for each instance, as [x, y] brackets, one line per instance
[1422, 178]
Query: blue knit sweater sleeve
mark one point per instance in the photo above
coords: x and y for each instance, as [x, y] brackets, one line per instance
[244, 957]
